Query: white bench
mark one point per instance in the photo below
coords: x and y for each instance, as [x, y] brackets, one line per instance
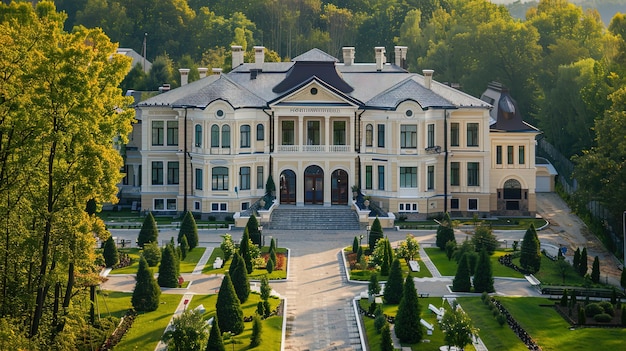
[429, 327]
[415, 267]
[438, 311]
[218, 263]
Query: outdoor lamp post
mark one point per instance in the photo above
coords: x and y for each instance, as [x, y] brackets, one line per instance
[261, 234]
[360, 239]
[369, 227]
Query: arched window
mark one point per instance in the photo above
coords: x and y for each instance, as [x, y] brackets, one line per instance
[260, 132]
[198, 135]
[226, 136]
[215, 136]
[245, 135]
[369, 135]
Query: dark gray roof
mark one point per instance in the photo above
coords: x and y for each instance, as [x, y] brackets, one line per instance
[315, 55]
[409, 89]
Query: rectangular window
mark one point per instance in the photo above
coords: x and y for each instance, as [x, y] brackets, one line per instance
[381, 135]
[199, 179]
[499, 154]
[288, 133]
[219, 178]
[381, 177]
[172, 133]
[244, 178]
[339, 133]
[198, 135]
[260, 132]
[159, 204]
[171, 204]
[509, 155]
[259, 177]
[225, 136]
[408, 136]
[472, 134]
[473, 178]
[431, 177]
[245, 205]
[455, 173]
[521, 158]
[219, 207]
[215, 136]
[454, 134]
[157, 133]
[454, 204]
[472, 204]
[172, 172]
[196, 205]
[431, 135]
[408, 177]
[245, 136]
[157, 173]
[368, 177]
[313, 132]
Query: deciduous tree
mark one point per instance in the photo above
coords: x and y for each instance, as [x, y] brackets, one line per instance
[458, 328]
[484, 238]
[187, 332]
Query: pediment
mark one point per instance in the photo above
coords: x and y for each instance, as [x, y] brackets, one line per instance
[315, 93]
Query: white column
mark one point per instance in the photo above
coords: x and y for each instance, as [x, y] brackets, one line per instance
[301, 133]
[351, 133]
[327, 126]
[277, 131]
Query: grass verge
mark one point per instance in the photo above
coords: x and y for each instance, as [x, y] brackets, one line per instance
[256, 273]
[448, 268]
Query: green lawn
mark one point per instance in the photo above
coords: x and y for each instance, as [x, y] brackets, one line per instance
[499, 224]
[191, 261]
[365, 274]
[113, 303]
[149, 326]
[186, 266]
[448, 267]
[549, 274]
[256, 273]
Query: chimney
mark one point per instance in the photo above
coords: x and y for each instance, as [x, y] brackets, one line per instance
[237, 52]
[184, 76]
[428, 77]
[400, 55]
[216, 71]
[380, 57]
[348, 55]
[259, 55]
[202, 71]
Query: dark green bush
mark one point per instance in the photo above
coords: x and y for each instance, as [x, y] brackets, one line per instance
[501, 318]
[152, 253]
[607, 307]
[603, 318]
[593, 309]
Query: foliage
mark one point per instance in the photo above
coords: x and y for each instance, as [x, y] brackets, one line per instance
[576, 259]
[355, 245]
[187, 332]
[458, 328]
[602, 318]
[257, 330]
[152, 253]
[227, 246]
[376, 233]
[564, 299]
[483, 276]
[146, 293]
[239, 279]
[111, 256]
[377, 256]
[373, 287]
[168, 272]
[595, 270]
[450, 248]
[266, 289]
[359, 254]
[530, 258]
[228, 308]
[407, 327]
[149, 231]
[461, 281]
[215, 342]
[184, 247]
[582, 318]
[253, 230]
[386, 343]
[269, 266]
[244, 249]
[445, 232]
[622, 280]
[484, 238]
[270, 187]
[393, 287]
[582, 268]
[409, 248]
[189, 230]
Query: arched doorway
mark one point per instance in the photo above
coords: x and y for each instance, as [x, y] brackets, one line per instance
[512, 195]
[287, 187]
[339, 187]
[313, 185]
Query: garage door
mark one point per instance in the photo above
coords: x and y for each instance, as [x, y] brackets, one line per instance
[544, 184]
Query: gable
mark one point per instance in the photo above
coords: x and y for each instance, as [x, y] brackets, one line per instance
[314, 93]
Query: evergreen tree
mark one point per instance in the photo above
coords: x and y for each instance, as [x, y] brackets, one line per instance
[253, 230]
[355, 245]
[450, 248]
[168, 276]
[260, 308]
[622, 280]
[393, 287]
[359, 254]
[445, 232]
[390, 255]
[111, 256]
[215, 343]
[269, 266]
[240, 281]
[272, 245]
[184, 247]
[576, 260]
[266, 289]
[152, 253]
[373, 288]
[595, 270]
[483, 277]
[484, 238]
[257, 330]
[177, 255]
[462, 281]
[582, 318]
[273, 257]
[149, 231]
[376, 233]
[384, 266]
[146, 293]
[408, 328]
[189, 230]
[530, 258]
[582, 268]
[270, 187]
[228, 308]
[244, 250]
[386, 343]
[564, 299]
[234, 263]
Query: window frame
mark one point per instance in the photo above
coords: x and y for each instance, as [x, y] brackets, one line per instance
[244, 178]
[510, 155]
[199, 181]
[339, 133]
[157, 173]
[226, 136]
[173, 172]
[408, 134]
[369, 135]
[172, 133]
[455, 134]
[521, 155]
[381, 177]
[369, 173]
[158, 133]
[219, 181]
[498, 154]
[244, 133]
[260, 132]
[408, 177]
[473, 174]
[380, 135]
[260, 177]
[431, 135]
[473, 139]
[455, 174]
[430, 180]
[215, 135]
[198, 135]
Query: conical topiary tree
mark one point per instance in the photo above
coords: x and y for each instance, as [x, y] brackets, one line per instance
[146, 293]
[244, 250]
[530, 256]
[407, 325]
[393, 287]
[576, 260]
[582, 268]
[270, 265]
[386, 343]
[168, 277]
[483, 276]
[445, 232]
[149, 231]
[228, 308]
[184, 247]
[462, 281]
[215, 342]
[189, 229]
[595, 270]
[234, 263]
[240, 281]
[622, 280]
[270, 187]
[257, 330]
[266, 289]
[111, 256]
[373, 287]
[272, 245]
[376, 233]
[253, 230]
[152, 253]
[384, 266]
[355, 245]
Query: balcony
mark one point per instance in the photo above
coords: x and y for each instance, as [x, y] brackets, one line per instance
[314, 148]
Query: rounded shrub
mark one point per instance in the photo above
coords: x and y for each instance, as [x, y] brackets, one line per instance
[152, 253]
[607, 307]
[593, 309]
[379, 322]
[603, 318]
[501, 318]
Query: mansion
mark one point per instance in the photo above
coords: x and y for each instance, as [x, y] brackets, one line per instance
[319, 127]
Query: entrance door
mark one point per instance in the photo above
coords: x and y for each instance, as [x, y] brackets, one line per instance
[313, 185]
[339, 184]
[288, 187]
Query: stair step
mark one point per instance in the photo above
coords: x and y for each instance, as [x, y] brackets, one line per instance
[319, 218]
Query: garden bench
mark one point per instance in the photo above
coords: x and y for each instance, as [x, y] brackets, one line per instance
[429, 327]
[415, 267]
[218, 263]
[438, 311]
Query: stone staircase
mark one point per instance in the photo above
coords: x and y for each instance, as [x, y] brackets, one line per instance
[314, 217]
